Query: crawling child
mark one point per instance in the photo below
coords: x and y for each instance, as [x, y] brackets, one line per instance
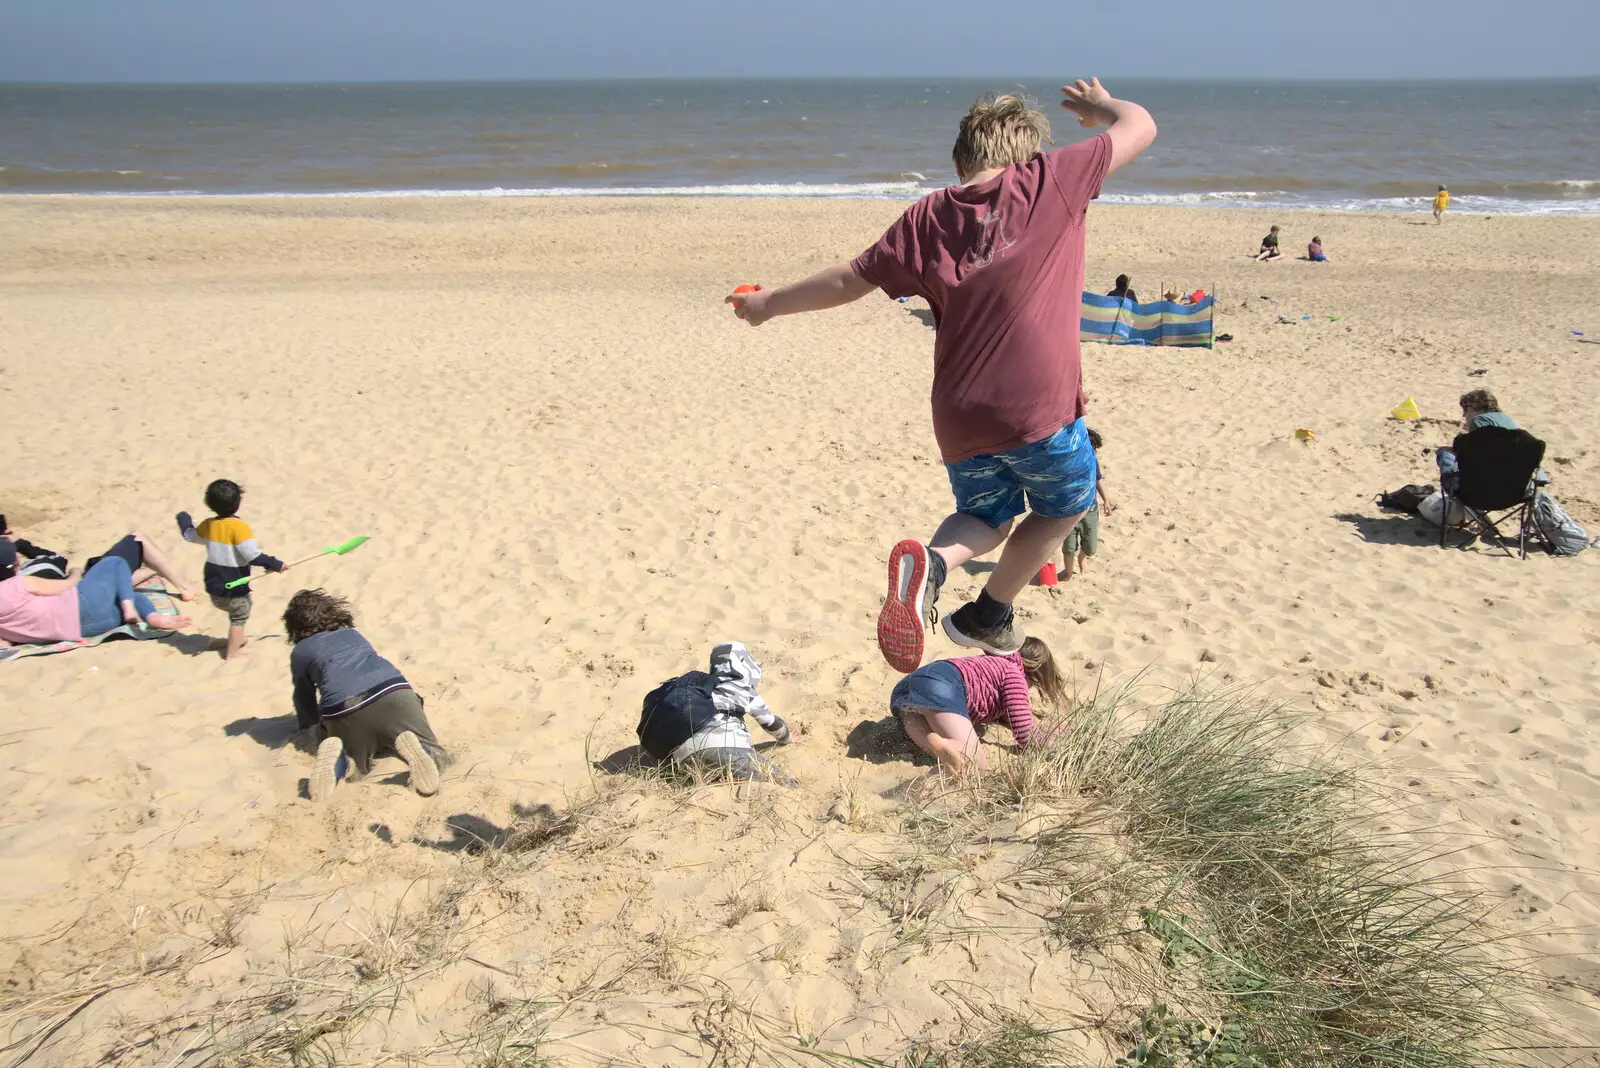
[697, 719]
[357, 703]
[942, 704]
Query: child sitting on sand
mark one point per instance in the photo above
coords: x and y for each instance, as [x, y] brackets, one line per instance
[1314, 251]
[697, 719]
[1084, 539]
[358, 703]
[941, 704]
[231, 550]
[1269, 246]
[1000, 259]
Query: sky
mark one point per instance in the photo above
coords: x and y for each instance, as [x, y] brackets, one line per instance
[400, 40]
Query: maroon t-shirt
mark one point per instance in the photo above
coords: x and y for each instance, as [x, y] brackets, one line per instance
[1001, 263]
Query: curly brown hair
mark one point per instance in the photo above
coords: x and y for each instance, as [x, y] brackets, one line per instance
[1039, 665]
[314, 611]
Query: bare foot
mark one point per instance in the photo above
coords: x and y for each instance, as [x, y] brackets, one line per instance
[947, 753]
[157, 621]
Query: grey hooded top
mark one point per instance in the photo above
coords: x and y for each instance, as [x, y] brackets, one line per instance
[735, 697]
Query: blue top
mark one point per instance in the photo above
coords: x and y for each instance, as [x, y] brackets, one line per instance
[1500, 419]
[344, 669]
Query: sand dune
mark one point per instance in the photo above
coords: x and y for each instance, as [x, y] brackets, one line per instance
[579, 473]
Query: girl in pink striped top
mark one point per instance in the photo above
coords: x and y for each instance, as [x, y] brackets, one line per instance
[941, 704]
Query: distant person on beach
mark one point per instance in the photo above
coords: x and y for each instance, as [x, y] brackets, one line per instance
[1441, 201]
[1123, 290]
[1083, 541]
[941, 705]
[1314, 251]
[1000, 259]
[231, 551]
[356, 704]
[1269, 247]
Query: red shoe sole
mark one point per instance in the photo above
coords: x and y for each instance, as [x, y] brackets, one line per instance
[900, 625]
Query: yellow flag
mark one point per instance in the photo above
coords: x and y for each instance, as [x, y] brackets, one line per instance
[1406, 409]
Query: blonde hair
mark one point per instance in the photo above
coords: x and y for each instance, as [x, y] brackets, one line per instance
[1039, 665]
[998, 130]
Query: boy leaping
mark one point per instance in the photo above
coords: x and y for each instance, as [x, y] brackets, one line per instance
[999, 258]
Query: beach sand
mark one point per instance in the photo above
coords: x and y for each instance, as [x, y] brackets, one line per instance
[579, 472]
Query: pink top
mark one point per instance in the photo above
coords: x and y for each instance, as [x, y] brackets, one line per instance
[1001, 264]
[997, 692]
[27, 617]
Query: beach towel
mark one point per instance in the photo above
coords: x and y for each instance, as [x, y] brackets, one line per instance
[1116, 321]
[159, 597]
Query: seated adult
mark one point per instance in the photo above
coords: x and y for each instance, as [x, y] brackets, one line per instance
[1479, 409]
[37, 610]
[1123, 290]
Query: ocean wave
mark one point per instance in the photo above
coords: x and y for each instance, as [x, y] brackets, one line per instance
[907, 190]
[1466, 204]
[839, 191]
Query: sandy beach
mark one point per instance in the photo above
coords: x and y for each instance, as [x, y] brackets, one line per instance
[579, 472]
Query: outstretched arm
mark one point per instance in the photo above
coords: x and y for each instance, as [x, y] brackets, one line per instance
[828, 288]
[1132, 128]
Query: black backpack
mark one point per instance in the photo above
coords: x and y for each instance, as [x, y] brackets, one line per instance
[1406, 498]
[674, 711]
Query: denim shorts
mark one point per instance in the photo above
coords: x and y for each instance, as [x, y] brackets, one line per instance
[937, 686]
[1054, 477]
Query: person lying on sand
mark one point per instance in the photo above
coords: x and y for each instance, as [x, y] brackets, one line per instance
[1000, 258]
[36, 610]
[144, 557]
[940, 705]
[355, 703]
[696, 721]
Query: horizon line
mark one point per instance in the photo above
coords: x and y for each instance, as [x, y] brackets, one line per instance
[569, 79]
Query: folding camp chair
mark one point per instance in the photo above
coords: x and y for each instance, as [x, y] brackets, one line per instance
[1495, 473]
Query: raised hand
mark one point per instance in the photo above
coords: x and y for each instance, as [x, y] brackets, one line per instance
[1087, 100]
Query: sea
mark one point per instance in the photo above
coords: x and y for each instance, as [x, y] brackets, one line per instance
[1518, 147]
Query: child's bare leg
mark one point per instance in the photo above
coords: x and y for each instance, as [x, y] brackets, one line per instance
[953, 741]
[235, 649]
[916, 727]
[1083, 562]
[156, 559]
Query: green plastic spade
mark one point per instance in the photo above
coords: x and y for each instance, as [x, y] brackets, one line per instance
[337, 550]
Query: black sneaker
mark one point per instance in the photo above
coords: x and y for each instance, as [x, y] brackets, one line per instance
[963, 629]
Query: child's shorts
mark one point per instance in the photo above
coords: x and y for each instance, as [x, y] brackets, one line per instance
[238, 608]
[1085, 536]
[937, 686]
[1054, 477]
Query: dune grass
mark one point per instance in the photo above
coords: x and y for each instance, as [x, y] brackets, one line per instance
[1233, 876]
